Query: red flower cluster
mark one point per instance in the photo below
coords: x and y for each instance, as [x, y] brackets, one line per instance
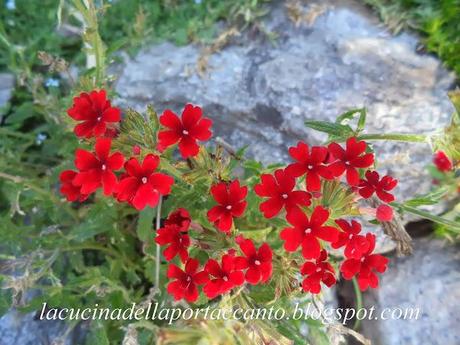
[254, 266]
[364, 268]
[312, 229]
[137, 181]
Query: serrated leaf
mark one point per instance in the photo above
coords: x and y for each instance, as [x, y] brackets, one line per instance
[145, 223]
[153, 117]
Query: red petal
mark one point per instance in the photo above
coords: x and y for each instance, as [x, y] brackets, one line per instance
[313, 182]
[311, 248]
[319, 216]
[168, 138]
[85, 160]
[161, 182]
[219, 192]
[111, 115]
[102, 148]
[265, 252]
[352, 176]
[84, 129]
[191, 266]
[109, 182]
[175, 272]
[190, 115]
[150, 164]
[247, 247]
[115, 161]
[271, 207]
[252, 276]
[337, 151]
[170, 120]
[133, 167]
[144, 196]
[293, 238]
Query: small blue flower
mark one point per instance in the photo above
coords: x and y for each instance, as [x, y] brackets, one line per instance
[198, 2]
[52, 82]
[41, 137]
[10, 5]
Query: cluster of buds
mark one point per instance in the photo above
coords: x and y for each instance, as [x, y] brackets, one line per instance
[293, 193]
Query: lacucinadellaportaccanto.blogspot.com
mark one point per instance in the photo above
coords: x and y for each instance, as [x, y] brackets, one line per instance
[156, 311]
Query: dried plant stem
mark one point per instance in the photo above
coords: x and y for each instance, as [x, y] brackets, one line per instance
[395, 229]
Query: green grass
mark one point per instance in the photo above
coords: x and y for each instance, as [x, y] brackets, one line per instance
[437, 20]
[123, 25]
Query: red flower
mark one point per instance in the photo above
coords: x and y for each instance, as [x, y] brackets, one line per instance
[180, 218]
[258, 262]
[231, 204]
[364, 269]
[308, 232]
[350, 159]
[442, 162]
[185, 285]
[372, 183]
[317, 272]
[142, 186]
[71, 192]
[95, 111]
[280, 193]
[187, 130]
[223, 277]
[310, 163]
[96, 170]
[355, 245]
[177, 240]
[384, 213]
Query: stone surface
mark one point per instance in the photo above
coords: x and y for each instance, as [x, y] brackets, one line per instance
[429, 280]
[261, 92]
[20, 329]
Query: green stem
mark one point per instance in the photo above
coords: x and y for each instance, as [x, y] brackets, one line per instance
[359, 301]
[415, 138]
[157, 250]
[454, 226]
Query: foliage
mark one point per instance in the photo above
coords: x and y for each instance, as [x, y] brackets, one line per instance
[101, 251]
[436, 19]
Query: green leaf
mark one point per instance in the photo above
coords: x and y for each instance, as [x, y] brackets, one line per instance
[428, 199]
[153, 117]
[100, 218]
[334, 129]
[5, 301]
[97, 335]
[145, 223]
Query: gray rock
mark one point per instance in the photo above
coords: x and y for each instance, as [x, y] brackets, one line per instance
[260, 92]
[429, 280]
[22, 329]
